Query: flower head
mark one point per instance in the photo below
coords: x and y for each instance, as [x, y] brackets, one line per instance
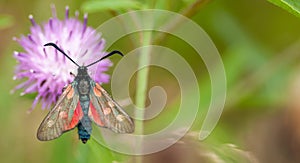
[45, 70]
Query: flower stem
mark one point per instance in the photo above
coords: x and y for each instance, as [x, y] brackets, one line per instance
[142, 74]
[141, 92]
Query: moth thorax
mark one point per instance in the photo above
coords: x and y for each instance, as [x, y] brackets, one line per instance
[83, 86]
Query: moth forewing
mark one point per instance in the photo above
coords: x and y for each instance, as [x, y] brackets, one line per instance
[114, 116]
[59, 119]
[125, 123]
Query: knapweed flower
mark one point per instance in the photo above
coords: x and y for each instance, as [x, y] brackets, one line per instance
[46, 71]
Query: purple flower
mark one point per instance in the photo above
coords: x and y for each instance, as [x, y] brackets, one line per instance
[45, 70]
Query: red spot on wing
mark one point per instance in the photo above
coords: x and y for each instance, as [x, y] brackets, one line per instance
[70, 89]
[96, 117]
[97, 92]
[98, 86]
[77, 115]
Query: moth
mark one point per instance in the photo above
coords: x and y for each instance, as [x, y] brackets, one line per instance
[82, 102]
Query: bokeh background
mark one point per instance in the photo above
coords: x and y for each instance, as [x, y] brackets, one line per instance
[260, 47]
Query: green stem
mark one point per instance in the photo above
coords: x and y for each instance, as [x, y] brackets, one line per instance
[142, 74]
[141, 92]
[142, 80]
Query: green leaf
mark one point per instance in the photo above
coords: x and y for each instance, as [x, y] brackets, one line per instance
[292, 6]
[6, 21]
[96, 6]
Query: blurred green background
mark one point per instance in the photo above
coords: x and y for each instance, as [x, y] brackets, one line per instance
[260, 47]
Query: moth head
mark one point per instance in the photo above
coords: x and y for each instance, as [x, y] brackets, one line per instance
[82, 70]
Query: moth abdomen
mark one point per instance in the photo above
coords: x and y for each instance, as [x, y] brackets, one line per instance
[84, 132]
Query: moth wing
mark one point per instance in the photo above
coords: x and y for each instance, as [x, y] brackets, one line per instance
[105, 112]
[63, 117]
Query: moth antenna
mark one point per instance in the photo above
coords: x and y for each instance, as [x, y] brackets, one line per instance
[57, 48]
[108, 55]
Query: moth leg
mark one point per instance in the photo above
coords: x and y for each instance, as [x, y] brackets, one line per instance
[71, 73]
[64, 88]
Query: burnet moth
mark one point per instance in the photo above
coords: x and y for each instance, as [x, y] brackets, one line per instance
[82, 102]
